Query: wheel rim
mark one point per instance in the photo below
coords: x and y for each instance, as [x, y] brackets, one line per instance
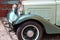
[30, 32]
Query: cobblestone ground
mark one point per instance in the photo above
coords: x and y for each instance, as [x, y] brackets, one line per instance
[3, 33]
[6, 35]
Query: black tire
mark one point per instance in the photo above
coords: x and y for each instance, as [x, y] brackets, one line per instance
[21, 27]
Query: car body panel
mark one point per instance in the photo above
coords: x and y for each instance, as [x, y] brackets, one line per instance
[58, 13]
[46, 12]
[50, 28]
[11, 16]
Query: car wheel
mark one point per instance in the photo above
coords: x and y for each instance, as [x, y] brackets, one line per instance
[30, 30]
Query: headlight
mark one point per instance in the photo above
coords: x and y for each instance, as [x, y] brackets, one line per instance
[14, 7]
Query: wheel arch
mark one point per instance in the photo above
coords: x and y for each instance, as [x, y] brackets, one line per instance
[48, 27]
[31, 20]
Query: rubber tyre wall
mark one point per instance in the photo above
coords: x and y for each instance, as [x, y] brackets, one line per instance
[30, 23]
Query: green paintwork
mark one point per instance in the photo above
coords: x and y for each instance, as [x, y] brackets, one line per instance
[12, 16]
[46, 12]
[50, 28]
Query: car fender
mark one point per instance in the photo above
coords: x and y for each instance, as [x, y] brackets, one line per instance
[49, 27]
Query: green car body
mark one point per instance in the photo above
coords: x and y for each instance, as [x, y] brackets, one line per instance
[45, 12]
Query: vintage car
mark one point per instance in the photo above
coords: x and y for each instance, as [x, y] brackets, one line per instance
[38, 17]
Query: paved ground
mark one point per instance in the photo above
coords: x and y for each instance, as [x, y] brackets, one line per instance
[3, 33]
[6, 35]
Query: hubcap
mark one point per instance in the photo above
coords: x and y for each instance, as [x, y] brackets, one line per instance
[30, 32]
